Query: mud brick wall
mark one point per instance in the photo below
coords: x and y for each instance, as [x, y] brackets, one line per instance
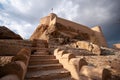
[12, 47]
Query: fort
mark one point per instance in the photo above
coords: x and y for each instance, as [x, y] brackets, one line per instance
[58, 49]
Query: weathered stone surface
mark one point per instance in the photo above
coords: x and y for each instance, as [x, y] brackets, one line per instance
[5, 60]
[17, 66]
[99, 39]
[10, 77]
[79, 49]
[23, 55]
[60, 32]
[12, 47]
[91, 72]
[5, 33]
[108, 51]
[95, 49]
[116, 46]
[110, 74]
[106, 75]
[115, 64]
[11, 68]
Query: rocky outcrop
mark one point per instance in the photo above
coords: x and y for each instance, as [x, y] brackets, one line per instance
[5, 33]
[61, 32]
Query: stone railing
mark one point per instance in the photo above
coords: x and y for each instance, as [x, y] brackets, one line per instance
[16, 69]
[70, 62]
[79, 68]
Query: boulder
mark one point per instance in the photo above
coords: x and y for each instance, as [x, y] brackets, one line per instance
[95, 49]
[6, 33]
[92, 72]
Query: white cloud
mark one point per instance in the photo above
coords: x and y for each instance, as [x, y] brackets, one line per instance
[67, 9]
[21, 5]
[22, 16]
[23, 28]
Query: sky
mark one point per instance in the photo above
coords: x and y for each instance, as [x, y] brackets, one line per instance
[23, 16]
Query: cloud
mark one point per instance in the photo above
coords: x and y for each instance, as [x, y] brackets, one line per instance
[105, 13]
[23, 16]
[88, 12]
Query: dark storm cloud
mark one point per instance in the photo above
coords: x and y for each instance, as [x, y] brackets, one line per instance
[23, 16]
[105, 13]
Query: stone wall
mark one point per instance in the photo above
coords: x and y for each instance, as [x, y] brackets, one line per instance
[99, 37]
[57, 27]
[45, 20]
[12, 47]
[75, 26]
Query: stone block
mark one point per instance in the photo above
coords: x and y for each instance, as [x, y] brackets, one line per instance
[91, 72]
[106, 74]
[95, 49]
[10, 77]
[16, 68]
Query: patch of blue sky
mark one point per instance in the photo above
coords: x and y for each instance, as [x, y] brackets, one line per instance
[1, 6]
[1, 22]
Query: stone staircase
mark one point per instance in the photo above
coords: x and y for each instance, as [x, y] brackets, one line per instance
[45, 67]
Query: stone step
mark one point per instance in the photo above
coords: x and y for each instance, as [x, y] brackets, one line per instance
[55, 74]
[65, 78]
[38, 57]
[40, 53]
[38, 50]
[42, 48]
[43, 61]
[44, 67]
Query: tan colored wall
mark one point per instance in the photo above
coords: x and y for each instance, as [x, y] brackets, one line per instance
[45, 20]
[95, 34]
[52, 19]
[12, 47]
[116, 46]
[76, 26]
[99, 37]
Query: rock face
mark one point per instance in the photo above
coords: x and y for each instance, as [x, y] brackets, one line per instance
[5, 33]
[58, 31]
